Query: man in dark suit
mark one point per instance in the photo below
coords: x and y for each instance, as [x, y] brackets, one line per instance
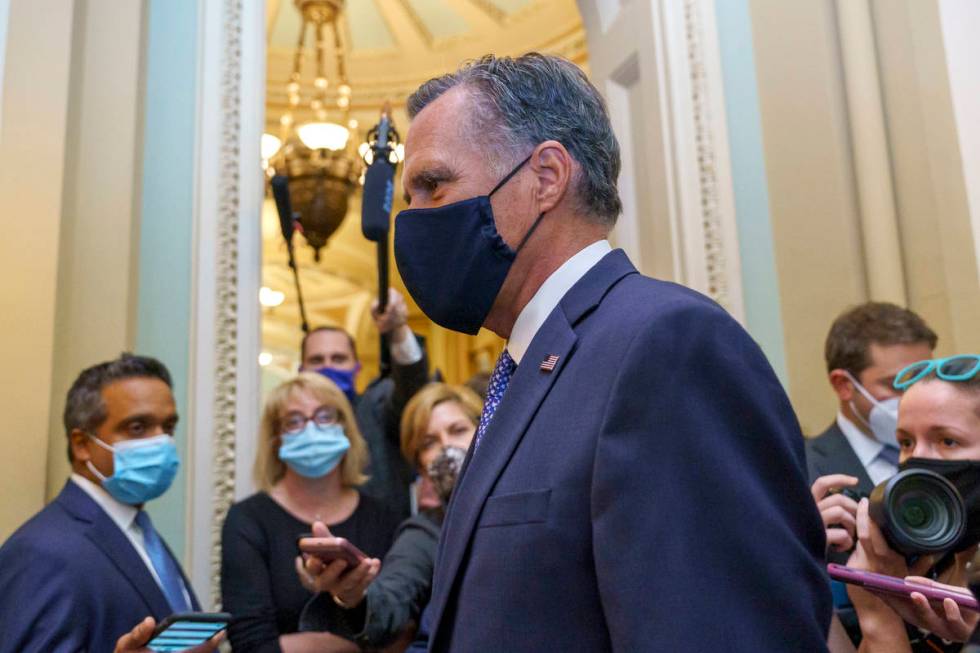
[866, 347]
[637, 480]
[90, 566]
[332, 352]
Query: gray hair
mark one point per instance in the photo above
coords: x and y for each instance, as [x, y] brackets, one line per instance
[85, 408]
[532, 99]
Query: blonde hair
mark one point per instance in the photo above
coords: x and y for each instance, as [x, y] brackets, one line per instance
[269, 469]
[415, 419]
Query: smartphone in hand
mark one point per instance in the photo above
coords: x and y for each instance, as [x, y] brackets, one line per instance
[898, 586]
[179, 632]
[329, 549]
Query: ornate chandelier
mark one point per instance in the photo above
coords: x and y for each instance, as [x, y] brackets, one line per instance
[317, 155]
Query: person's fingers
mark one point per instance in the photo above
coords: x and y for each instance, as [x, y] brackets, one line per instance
[320, 529]
[952, 612]
[314, 566]
[837, 516]
[354, 582]
[304, 576]
[137, 637]
[333, 572]
[825, 484]
[839, 539]
[925, 615]
[848, 504]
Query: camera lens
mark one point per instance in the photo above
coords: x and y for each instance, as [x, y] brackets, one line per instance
[919, 512]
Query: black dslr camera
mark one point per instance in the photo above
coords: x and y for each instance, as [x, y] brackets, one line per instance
[919, 511]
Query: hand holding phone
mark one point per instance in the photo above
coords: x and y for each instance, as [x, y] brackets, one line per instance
[328, 549]
[335, 566]
[900, 587]
[148, 637]
[181, 632]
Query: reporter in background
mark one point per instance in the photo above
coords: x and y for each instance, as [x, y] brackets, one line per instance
[90, 565]
[332, 352]
[309, 466]
[437, 429]
[938, 429]
[866, 347]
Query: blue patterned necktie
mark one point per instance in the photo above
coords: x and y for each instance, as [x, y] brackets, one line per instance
[163, 563]
[499, 380]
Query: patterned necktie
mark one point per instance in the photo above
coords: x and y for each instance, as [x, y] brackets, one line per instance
[889, 454]
[163, 563]
[499, 380]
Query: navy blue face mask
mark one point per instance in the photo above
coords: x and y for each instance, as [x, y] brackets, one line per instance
[453, 261]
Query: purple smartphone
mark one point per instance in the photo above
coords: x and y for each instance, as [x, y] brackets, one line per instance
[892, 585]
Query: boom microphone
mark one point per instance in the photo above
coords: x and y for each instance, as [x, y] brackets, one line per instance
[379, 185]
[287, 221]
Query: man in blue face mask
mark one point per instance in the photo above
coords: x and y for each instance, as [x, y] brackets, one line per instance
[636, 482]
[331, 351]
[91, 565]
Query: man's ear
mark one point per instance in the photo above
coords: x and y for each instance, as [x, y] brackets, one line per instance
[79, 443]
[553, 166]
[842, 385]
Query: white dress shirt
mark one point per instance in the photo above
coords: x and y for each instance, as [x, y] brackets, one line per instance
[123, 515]
[867, 450]
[549, 294]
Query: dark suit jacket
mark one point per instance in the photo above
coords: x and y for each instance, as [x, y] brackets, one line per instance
[71, 581]
[831, 453]
[648, 494]
[379, 411]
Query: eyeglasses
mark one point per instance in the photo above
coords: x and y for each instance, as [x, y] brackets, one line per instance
[962, 367]
[296, 421]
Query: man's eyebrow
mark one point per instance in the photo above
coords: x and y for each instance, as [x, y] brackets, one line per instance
[428, 177]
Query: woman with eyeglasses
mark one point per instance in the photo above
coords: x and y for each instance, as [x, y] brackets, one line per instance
[310, 461]
[938, 429]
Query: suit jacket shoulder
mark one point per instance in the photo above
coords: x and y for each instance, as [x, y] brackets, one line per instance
[99, 590]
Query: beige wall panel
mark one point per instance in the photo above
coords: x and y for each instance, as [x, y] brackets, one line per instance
[97, 279]
[32, 143]
[812, 197]
[937, 239]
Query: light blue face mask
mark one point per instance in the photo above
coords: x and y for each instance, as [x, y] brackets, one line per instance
[314, 451]
[143, 469]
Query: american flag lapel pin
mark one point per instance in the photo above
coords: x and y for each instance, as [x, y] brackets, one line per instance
[548, 364]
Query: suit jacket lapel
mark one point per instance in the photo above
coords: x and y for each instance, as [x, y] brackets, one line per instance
[843, 460]
[524, 395]
[106, 535]
[527, 390]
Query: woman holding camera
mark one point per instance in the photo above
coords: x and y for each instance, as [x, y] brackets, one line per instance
[938, 420]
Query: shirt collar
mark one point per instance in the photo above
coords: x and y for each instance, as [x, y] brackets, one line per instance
[121, 513]
[549, 294]
[864, 447]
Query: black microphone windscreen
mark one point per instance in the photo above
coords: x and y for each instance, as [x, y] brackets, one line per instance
[280, 191]
[379, 186]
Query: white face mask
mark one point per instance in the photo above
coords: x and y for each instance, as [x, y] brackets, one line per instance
[883, 419]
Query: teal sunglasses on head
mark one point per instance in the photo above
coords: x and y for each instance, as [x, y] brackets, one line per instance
[962, 367]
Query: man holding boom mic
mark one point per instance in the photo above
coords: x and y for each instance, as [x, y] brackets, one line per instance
[332, 352]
